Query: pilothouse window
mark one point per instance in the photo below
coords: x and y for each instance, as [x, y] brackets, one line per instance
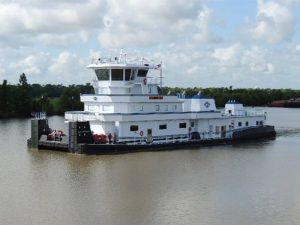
[142, 73]
[117, 74]
[102, 74]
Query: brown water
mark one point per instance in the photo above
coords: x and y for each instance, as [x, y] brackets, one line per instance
[252, 183]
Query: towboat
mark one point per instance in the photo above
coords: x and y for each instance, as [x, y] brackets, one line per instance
[127, 113]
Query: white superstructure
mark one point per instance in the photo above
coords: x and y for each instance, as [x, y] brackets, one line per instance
[128, 108]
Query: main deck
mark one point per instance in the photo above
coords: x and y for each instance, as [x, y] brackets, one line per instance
[80, 140]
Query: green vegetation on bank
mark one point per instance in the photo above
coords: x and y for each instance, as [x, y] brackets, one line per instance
[247, 96]
[22, 99]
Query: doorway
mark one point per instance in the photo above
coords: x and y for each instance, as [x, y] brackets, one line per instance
[149, 136]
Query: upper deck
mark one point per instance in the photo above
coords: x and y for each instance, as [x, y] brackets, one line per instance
[124, 76]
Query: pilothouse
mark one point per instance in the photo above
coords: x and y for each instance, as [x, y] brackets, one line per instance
[118, 76]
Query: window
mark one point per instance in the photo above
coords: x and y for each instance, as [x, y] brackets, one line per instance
[217, 131]
[166, 107]
[163, 126]
[157, 108]
[257, 123]
[239, 124]
[134, 128]
[182, 125]
[261, 123]
[102, 74]
[127, 74]
[246, 123]
[142, 73]
[174, 107]
[192, 124]
[117, 74]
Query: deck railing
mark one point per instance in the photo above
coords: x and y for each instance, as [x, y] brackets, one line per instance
[242, 113]
[39, 115]
[222, 135]
[79, 116]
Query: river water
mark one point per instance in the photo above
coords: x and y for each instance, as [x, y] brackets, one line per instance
[251, 183]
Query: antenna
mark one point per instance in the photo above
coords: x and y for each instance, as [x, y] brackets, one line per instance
[121, 55]
[159, 67]
[160, 73]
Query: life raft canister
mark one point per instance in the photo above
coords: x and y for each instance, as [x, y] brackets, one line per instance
[145, 81]
[141, 133]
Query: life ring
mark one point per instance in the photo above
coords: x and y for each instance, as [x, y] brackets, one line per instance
[141, 133]
[145, 81]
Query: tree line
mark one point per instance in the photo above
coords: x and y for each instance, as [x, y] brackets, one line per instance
[22, 99]
[247, 96]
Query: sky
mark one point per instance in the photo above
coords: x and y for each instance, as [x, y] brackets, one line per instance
[201, 43]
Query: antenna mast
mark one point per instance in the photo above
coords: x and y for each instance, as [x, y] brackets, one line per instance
[160, 74]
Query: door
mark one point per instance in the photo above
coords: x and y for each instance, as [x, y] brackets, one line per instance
[223, 131]
[149, 136]
[193, 125]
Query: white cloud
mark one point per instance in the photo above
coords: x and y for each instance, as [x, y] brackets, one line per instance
[275, 22]
[10, 21]
[53, 41]
[30, 65]
[67, 67]
[29, 20]
[204, 21]
[256, 59]
[228, 56]
[84, 36]
[152, 23]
